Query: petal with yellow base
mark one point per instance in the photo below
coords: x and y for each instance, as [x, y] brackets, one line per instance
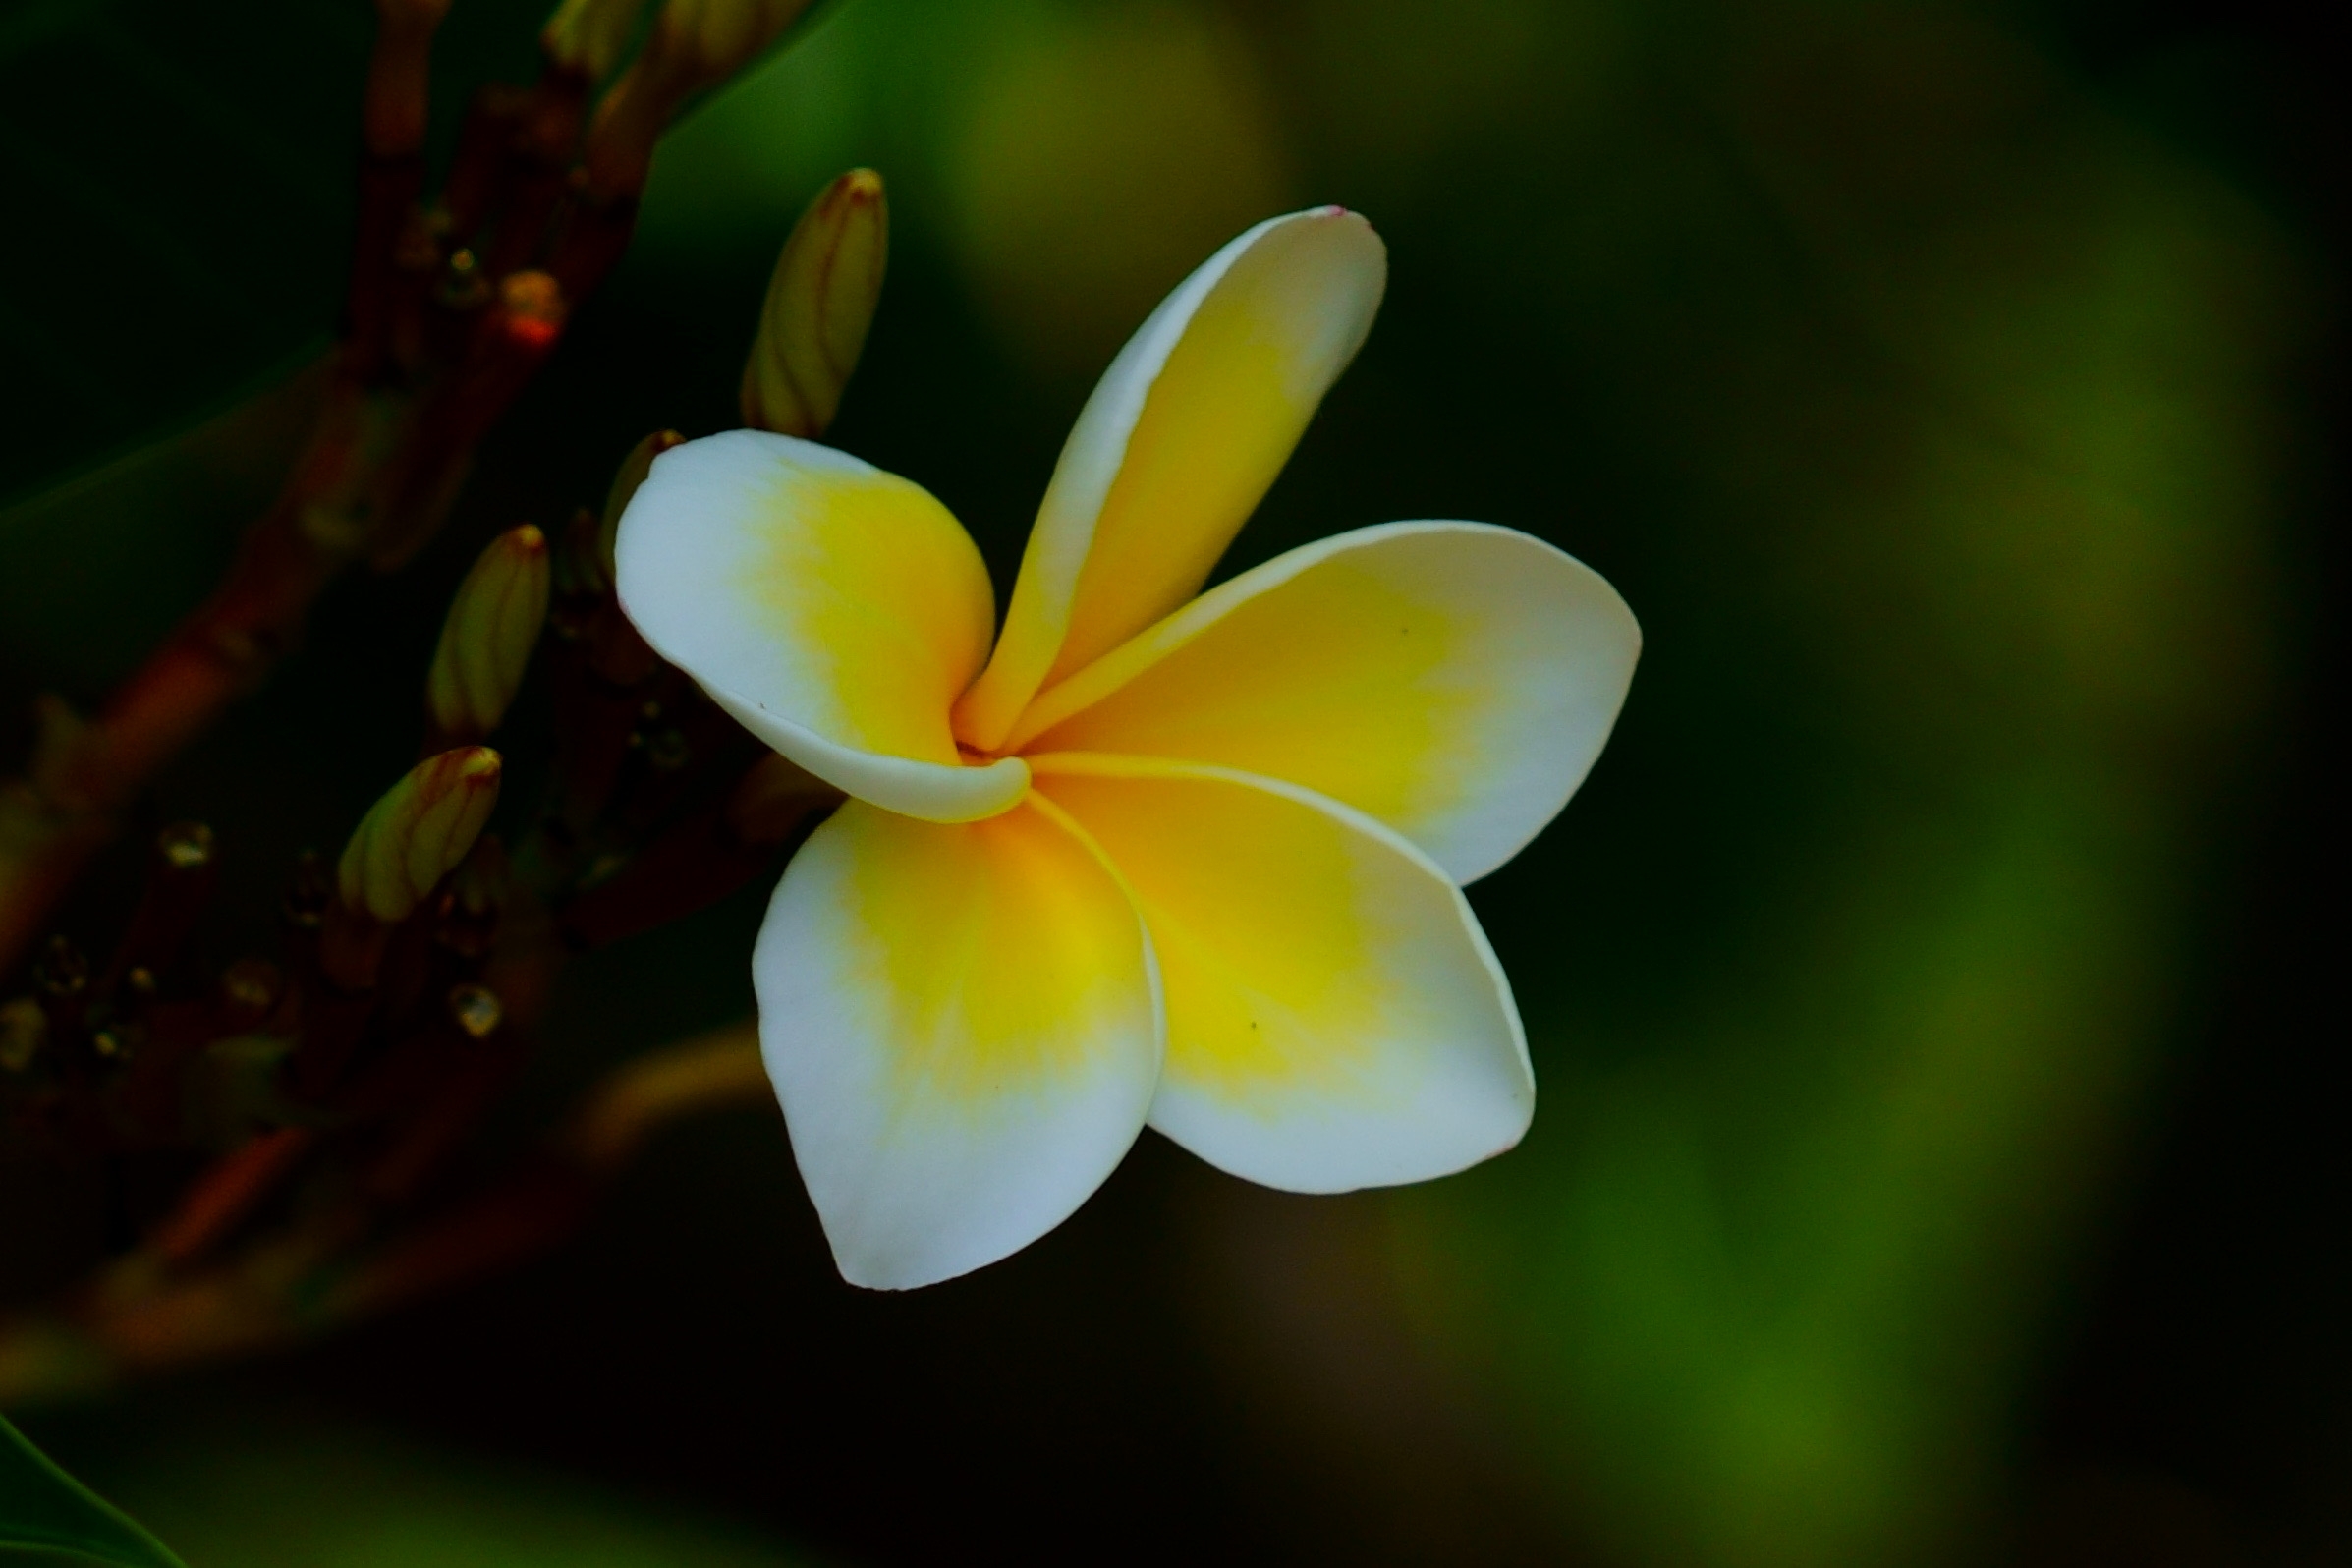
[1454, 679]
[963, 1024]
[1335, 1017]
[1181, 439]
[834, 609]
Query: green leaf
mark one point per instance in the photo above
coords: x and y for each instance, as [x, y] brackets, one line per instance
[43, 1510]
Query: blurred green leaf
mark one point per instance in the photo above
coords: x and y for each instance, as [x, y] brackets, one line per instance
[95, 570]
[1951, 400]
[244, 1482]
[43, 1510]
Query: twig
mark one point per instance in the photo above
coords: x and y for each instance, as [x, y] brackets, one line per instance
[153, 1312]
[395, 437]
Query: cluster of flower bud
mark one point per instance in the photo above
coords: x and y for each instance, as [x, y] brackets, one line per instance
[331, 1064]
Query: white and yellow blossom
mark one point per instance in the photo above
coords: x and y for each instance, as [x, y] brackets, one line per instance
[1141, 856]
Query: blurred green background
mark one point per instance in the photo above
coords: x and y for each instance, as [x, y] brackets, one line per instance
[1939, 1151]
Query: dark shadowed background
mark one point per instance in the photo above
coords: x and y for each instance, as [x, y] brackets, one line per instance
[1934, 993]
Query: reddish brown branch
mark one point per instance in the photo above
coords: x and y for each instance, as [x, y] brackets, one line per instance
[173, 1303]
[224, 1195]
[425, 373]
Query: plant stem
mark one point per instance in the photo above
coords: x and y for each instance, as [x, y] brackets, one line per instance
[397, 431]
[152, 1311]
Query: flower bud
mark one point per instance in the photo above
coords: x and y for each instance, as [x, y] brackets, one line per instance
[819, 303]
[416, 834]
[625, 480]
[587, 37]
[493, 624]
[24, 1029]
[531, 307]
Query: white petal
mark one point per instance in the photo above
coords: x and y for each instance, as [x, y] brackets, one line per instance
[963, 1024]
[1187, 429]
[1454, 679]
[836, 610]
[1335, 1017]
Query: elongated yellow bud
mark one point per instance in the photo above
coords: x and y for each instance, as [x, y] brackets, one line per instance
[819, 303]
[493, 624]
[589, 37]
[416, 834]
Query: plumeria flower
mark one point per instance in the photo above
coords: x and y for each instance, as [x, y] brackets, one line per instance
[1144, 858]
